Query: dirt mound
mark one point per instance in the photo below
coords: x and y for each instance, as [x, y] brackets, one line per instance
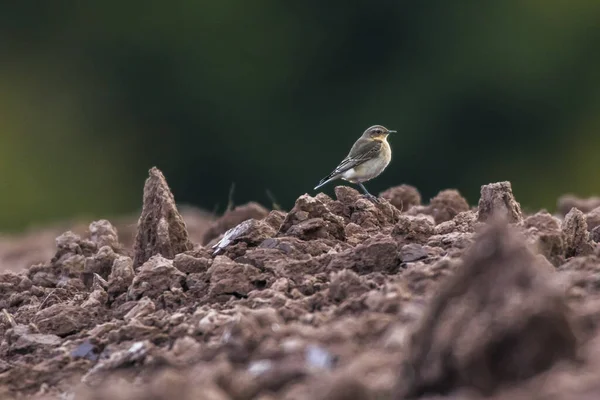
[339, 298]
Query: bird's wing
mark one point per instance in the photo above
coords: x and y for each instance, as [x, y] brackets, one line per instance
[362, 151]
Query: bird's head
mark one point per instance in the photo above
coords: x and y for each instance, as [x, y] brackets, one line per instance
[377, 132]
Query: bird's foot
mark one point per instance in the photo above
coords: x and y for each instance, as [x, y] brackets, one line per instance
[373, 198]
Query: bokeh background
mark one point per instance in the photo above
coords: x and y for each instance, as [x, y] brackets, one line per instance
[271, 94]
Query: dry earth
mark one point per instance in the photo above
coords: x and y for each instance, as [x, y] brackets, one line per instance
[336, 299]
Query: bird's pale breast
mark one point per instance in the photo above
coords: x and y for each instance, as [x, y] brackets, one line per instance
[372, 168]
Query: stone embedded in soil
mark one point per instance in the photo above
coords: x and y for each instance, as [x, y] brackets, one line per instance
[414, 228]
[567, 202]
[135, 353]
[232, 218]
[121, 276]
[144, 307]
[275, 219]
[189, 264]
[414, 252]
[233, 279]
[379, 254]
[310, 229]
[403, 197]
[374, 216]
[62, 319]
[252, 232]
[577, 237]
[156, 276]
[161, 229]
[306, 208]
[498, 320]
[354, 207]
[497, 201]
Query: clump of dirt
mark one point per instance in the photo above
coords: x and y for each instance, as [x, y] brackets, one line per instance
[339, 298]
[403, 197]
[497, 201]
[161, 229]
[498, 320]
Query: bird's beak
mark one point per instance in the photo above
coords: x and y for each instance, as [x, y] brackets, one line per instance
[391, 131]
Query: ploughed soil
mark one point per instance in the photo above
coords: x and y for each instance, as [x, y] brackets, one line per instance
[337, 298]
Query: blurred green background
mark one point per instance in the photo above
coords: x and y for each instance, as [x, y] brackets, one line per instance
[271, 94]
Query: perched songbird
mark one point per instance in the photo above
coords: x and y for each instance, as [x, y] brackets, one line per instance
[369, 156]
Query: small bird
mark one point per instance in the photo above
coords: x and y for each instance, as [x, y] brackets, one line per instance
[369, 156]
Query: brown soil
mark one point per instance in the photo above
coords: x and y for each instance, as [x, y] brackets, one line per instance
[336, 299]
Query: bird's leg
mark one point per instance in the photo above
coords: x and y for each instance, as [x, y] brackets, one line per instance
[369, 195]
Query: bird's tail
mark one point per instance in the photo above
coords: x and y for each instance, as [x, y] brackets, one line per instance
[326, 180]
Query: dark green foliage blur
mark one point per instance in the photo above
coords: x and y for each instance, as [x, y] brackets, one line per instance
[271, 94]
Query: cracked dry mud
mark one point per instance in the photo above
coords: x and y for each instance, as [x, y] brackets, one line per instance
[338, 298]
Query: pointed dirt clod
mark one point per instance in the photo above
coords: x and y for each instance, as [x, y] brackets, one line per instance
[499, 320]
[161, 229]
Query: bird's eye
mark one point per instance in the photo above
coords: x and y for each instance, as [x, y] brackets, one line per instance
[377, 131]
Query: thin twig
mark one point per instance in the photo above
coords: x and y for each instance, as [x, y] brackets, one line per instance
[9, 318]
[230, 197]
[46, 299]
[274, 203]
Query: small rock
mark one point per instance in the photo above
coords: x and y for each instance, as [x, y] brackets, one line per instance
[135, 353]
[230, 278]
[308, 207]
[251, 231]
[310, 229]
[154, 277]
[144, 307]
[86, 350]
[62, 319]
[189, 264]
[414, 228]
[379, 254]
[233, 218]
[27, 343]
[275, 219]
[413, 252]
[121, 276]
[96, 299]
